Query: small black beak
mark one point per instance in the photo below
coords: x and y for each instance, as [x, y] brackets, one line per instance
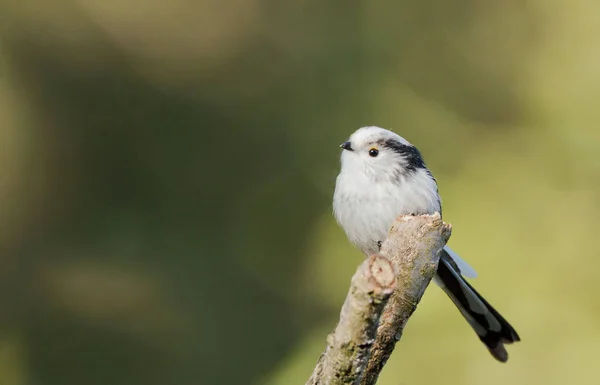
[347, 146]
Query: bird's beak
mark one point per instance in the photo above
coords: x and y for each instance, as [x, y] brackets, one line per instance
[347, 146]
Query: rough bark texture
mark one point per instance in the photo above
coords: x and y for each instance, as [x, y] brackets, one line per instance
[384, 293]
[349, 346]
[413, 247]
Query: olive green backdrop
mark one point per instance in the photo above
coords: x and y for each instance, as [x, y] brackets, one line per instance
[167, 168]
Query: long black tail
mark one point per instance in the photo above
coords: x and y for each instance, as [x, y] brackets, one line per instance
[493, 330]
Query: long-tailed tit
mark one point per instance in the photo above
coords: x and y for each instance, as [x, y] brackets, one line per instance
[384, 176]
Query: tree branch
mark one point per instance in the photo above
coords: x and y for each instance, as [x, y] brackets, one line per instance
[348, 347]
[370, 325]
[413, 246]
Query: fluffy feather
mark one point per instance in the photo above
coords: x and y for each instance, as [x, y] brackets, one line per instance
[384, 176]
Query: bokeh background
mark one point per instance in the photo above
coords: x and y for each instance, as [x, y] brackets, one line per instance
[167, 168]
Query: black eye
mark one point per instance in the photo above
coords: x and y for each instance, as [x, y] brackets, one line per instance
[373, 152]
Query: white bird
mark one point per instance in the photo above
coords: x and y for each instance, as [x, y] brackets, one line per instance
[383, 176]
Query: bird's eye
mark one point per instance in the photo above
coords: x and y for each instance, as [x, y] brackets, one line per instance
[373, 152]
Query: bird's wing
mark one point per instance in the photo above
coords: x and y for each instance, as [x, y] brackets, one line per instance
[464, 267]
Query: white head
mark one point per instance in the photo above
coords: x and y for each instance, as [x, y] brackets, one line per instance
[380, 154]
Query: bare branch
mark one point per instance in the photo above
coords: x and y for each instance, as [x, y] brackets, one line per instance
[370, 325]
[349, 346]
[413, 247]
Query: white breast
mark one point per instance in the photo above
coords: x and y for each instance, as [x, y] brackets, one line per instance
[366, 210]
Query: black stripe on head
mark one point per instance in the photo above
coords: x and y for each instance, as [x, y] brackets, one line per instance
[409, 152]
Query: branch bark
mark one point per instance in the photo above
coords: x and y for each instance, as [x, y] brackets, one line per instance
[348, 347]
[383, 295]
[413, 246]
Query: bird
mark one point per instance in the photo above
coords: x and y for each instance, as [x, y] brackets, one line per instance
[383, 176]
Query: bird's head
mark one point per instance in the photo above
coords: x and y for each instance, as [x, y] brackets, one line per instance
[380, 154]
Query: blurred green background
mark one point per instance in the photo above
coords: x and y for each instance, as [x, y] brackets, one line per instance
[167, 169]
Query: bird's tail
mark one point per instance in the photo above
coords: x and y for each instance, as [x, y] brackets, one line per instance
[493, 330]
